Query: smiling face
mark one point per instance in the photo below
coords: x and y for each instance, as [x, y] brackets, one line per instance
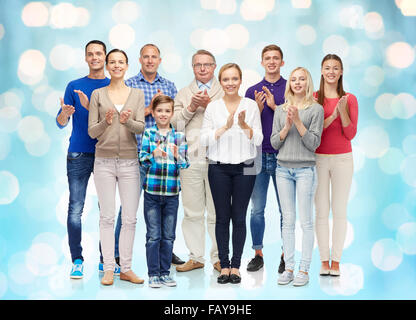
[95, 57]
[331, 71]
[230, 81]
[204, 67]
[117, 65]
[272, 61]
[162, 114]
[150, 59]
[298, 82]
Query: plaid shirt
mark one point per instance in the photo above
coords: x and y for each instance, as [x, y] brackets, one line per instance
[162, 174]
[150, 89]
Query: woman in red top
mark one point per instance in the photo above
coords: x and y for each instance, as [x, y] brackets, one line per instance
[334, 162]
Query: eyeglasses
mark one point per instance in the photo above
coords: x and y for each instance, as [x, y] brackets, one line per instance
[206, 65]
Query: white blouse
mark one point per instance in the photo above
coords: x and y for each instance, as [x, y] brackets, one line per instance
[233, 146]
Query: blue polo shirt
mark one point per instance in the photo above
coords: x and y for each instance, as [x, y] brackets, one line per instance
[278, 91]
[80, 141]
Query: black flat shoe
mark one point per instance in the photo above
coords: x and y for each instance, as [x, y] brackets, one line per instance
[235, 278]
[282, 265]
[223, 278]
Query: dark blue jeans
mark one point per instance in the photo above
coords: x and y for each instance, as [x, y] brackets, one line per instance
[79, 168]
[160, 214]
[259, 198]
[231, 190]
[118, 223]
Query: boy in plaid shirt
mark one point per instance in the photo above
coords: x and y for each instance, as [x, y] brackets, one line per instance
[163, 154]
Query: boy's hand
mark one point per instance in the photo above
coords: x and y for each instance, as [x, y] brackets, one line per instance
[158, 152]
[175, 150]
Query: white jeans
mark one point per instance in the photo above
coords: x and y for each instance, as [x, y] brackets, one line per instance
[334, 182]
[108, 174]
[196, 200]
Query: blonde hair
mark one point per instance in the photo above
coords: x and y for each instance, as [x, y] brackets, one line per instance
[229, 66]
[308, 100]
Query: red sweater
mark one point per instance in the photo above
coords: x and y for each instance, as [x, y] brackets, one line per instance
[335, 138]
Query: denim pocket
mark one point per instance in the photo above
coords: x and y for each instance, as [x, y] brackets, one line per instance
[74, 155]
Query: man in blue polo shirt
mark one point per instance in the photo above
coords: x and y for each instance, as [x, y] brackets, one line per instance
[268, 93]
[153, 85]
[80, 159]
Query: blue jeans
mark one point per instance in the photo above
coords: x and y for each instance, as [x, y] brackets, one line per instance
[231, 190]
[118, 223]
[259, 198]
[297, 185]
[79, 167]
[160, 214]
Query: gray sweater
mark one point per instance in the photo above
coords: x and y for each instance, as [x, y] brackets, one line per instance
[296, 151]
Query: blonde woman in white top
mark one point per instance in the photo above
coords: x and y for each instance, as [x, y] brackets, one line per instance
[232, 132]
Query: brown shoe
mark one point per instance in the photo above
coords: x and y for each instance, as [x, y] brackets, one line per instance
[217, 266]
[108, 278]
[190, 265]
[130, 276]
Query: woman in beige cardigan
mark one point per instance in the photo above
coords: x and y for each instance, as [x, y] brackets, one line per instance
[116, 114]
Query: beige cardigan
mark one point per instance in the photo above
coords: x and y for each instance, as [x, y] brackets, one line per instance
[116, 140]
[191, 122]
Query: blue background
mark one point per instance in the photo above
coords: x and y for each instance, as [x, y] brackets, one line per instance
[42, 50]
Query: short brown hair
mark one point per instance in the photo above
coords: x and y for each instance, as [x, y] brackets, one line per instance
[149, 45]
[162, 99]
[271, 47]
[229, 66]
[203, 52]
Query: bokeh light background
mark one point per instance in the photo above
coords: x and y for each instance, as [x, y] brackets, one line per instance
[42, 49]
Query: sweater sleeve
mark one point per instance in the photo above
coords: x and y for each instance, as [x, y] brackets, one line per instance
[275, 136]
[312, 138]
[181, 115]
[135, 124]
[351, 130]
[96, 126]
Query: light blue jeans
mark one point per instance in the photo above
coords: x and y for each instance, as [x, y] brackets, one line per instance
[297, 185]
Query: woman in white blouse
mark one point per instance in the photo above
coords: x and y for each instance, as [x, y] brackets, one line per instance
[232, 133]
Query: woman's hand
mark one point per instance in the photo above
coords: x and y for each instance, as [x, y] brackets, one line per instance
[109, 116]
[342, 105]
[124, 116]
[241, 119]
[230, 121]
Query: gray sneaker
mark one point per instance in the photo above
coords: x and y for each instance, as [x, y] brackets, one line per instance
[154, 282]
[285, 278]
[301, 279]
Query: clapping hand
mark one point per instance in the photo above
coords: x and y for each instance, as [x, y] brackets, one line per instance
[67, 110]
[158, 152]
[242, 118]
[124, 116]
[260, 98]
[83, 98]
[109, 116]
[342, 105]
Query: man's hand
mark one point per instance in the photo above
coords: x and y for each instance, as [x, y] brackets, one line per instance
[269, 98]
[83, 99]
[67, 110]
[199, 99]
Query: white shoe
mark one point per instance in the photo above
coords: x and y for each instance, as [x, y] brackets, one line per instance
[285, 278]
[301, 279]
[324, 272]
[335, 273]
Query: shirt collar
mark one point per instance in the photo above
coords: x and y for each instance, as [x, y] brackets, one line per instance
[277, 83]
[203, 86]
[142, 78]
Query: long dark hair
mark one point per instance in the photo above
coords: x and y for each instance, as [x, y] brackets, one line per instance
[340, 88]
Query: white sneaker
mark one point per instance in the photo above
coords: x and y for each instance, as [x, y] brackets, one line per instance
[285, 278]
[301, 279]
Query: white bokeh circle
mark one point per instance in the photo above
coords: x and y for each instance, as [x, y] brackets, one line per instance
[125, 12]
[391, 161]
[394, 215]
[406, 237]
[306, 35]
[374, 141]
[409, 144]
[400, 55]
[336, 44]
[408, 170]
[31, 66]
[9, 187]
[35, 14]
[122, 36]
[386, 255]
[30, 129]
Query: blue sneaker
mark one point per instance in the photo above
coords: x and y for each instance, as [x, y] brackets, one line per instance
[167, 281]
[154, 282]
[77, 271]
[116, 269]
